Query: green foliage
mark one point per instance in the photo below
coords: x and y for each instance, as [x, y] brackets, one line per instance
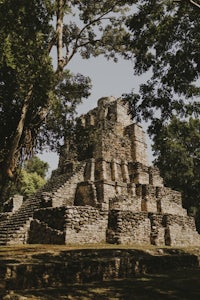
[165, 41]
[177, 147]
[68, 94]
[29, 179]
[37, 100]
[100, 29]
[25, 66]
[35, 165]
[30, 183]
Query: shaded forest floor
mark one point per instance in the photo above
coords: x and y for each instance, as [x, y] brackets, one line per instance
[175, 284]
[182, 284]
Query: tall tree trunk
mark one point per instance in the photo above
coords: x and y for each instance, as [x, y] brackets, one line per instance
[59, 34]
[10, 163]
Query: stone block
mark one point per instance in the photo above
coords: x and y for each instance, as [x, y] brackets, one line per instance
[126, 227]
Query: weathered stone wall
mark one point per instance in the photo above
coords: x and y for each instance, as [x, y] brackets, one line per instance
[154, 177]
[126, 227]
[170, 201]
[158, 229]
[86, 194]
[69, 225]
[113, 145]
[138, 173]
[124, 203]
[148, 194]
[13, 204]
[53, 217]
[41, 233]
[85, 225]
[21, 234]
[180, 230]
[139, 146]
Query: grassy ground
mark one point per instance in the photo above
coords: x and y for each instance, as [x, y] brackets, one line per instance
[177, 285]
[180, 284]
[29, 250]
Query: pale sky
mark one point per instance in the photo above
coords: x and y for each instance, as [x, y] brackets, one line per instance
[108, 79]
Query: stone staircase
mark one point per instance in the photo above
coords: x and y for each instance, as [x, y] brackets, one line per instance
[15, 226]
[65, 193]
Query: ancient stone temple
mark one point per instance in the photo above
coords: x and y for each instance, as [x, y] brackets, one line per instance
[104, 191]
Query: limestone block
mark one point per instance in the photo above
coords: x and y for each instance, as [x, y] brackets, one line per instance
[88, 227]
[126, 227]
[149, 202]
[139, 146]
[13, 204]
[157, 229]
[154, 177]
[139, 174]
[170, 201]
[180, 231]
[85, 194]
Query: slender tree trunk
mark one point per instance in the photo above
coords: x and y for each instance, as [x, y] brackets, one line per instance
[12, 154]
[59, 33]
[10, 163]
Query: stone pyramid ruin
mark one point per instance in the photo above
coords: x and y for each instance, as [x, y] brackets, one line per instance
[104, 191]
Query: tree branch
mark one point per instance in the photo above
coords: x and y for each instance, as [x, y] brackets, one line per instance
[101, 17]
[191, 1]
[194, 3]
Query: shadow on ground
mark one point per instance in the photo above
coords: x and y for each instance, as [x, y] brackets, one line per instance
[184, 284]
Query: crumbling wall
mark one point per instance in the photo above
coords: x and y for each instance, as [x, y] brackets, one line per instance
[180, 231]
[13, 204]
[85, 225]
[139, 146]
[124, 203]
[170, 201]
[127, 227]
[158, 229]
[69, 225]
[41, 233]
[138, 172]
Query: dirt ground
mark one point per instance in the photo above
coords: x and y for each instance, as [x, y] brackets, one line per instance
[184, 284]
[179, 284]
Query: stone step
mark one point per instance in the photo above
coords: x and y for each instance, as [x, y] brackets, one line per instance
[15, 223]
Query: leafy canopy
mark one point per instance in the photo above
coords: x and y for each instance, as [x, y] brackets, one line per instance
[37, 98]
[165, 41]
[30, 178]
[177, 149]
[165, 44]
[36, 165]
[25, 69]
